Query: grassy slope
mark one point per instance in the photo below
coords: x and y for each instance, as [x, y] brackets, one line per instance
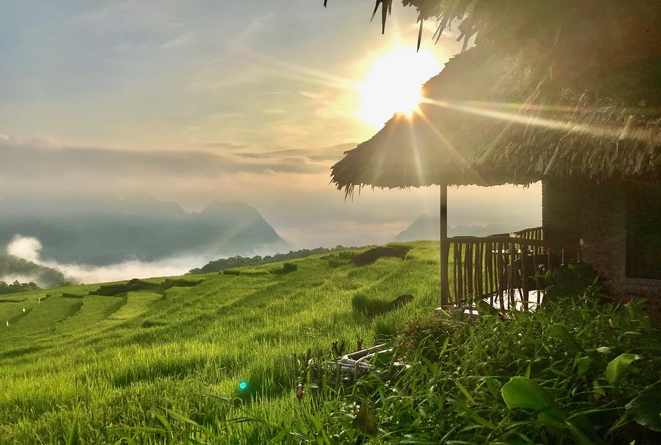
[105, 363]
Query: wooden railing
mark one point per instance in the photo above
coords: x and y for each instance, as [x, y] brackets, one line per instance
[507, 270]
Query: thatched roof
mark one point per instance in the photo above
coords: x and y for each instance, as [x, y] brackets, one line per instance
[506, 118]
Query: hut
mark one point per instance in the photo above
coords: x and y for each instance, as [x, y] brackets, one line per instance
[582, 115]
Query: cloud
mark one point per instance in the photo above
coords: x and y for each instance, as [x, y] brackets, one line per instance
[226, 145]
[184, 40]
[25, 247]
[29, 248]
[130, 269]
[30, 162]
[311, 95]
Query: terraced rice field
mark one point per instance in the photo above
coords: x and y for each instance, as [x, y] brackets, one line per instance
[124, 362]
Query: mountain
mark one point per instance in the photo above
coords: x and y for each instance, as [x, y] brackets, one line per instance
[103, 229]
[17, 269]
[427, 227]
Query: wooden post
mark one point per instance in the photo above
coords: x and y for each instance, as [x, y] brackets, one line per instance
[444, 247]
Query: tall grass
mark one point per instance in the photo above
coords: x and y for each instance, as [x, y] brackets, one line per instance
[219, 363]
[165, 365]
[576, 371]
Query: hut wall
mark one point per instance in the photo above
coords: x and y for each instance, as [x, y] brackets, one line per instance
[594, 213]
[643, 230]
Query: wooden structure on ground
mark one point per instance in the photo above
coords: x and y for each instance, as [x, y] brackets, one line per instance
[582, 115]
[506, 270]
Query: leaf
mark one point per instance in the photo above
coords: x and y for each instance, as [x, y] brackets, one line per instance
[553, 416]
[520, 392]
[188, 421]
[465, 392]
[365, 420]
[164, 421]
[561, 333]
[470, 414]
[73, 434]
[493, 385]
[582, 365]
[618, 367]
[484, 308]
[646, 408]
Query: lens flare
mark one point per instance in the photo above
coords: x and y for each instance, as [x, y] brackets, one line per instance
[393, 85]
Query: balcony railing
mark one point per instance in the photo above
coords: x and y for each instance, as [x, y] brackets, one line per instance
[507, 270]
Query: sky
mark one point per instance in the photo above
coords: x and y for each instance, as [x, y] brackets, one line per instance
[195, 101]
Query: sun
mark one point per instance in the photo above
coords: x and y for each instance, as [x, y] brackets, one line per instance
[393, 84]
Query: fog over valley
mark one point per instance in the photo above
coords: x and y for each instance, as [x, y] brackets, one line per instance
[99, 237]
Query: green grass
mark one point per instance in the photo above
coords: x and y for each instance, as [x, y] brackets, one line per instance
[76, 366]
[162, 364]
[575, 371]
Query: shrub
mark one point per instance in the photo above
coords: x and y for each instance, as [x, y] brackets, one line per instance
[370, 256]
[286, 268]
[570, 280]
[369, 306]
[576, 372]
[334, 262]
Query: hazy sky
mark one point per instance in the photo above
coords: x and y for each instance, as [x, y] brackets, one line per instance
[202, 100]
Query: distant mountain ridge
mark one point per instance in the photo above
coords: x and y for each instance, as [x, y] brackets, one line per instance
[427, 227]
[104, 229]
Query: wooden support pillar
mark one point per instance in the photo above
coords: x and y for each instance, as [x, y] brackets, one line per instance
[444, 248]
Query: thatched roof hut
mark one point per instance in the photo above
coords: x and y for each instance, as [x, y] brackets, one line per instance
[492, 120]
[583, 115]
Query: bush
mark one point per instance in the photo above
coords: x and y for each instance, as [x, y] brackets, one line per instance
[369, 306]
[576, 372]
[334, 262]
[570, 280]
[370, 256]
[286, 268]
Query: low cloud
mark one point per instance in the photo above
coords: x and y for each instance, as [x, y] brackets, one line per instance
[289, 187]
[25, 247]
[32, 161]
[29, 248]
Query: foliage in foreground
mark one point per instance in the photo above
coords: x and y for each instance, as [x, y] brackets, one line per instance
[576, 371]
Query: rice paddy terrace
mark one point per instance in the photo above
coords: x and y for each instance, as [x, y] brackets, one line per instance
[123, 362]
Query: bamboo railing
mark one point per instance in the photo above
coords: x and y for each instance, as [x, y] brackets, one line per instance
[507, 270]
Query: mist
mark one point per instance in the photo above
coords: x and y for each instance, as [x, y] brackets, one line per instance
[29, 248]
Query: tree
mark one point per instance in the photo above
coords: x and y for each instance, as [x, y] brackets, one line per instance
[509, 24]
[557, 35]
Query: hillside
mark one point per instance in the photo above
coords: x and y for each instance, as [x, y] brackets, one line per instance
[239, 261]
[241, 357]
[136, 349]
[106, 230]
[17, 269]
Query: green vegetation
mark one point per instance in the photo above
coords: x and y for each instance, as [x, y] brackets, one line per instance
[240, 261]
[217, 359]
[576, 371]
[132, 360]
[11, 266]
[16, 287]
